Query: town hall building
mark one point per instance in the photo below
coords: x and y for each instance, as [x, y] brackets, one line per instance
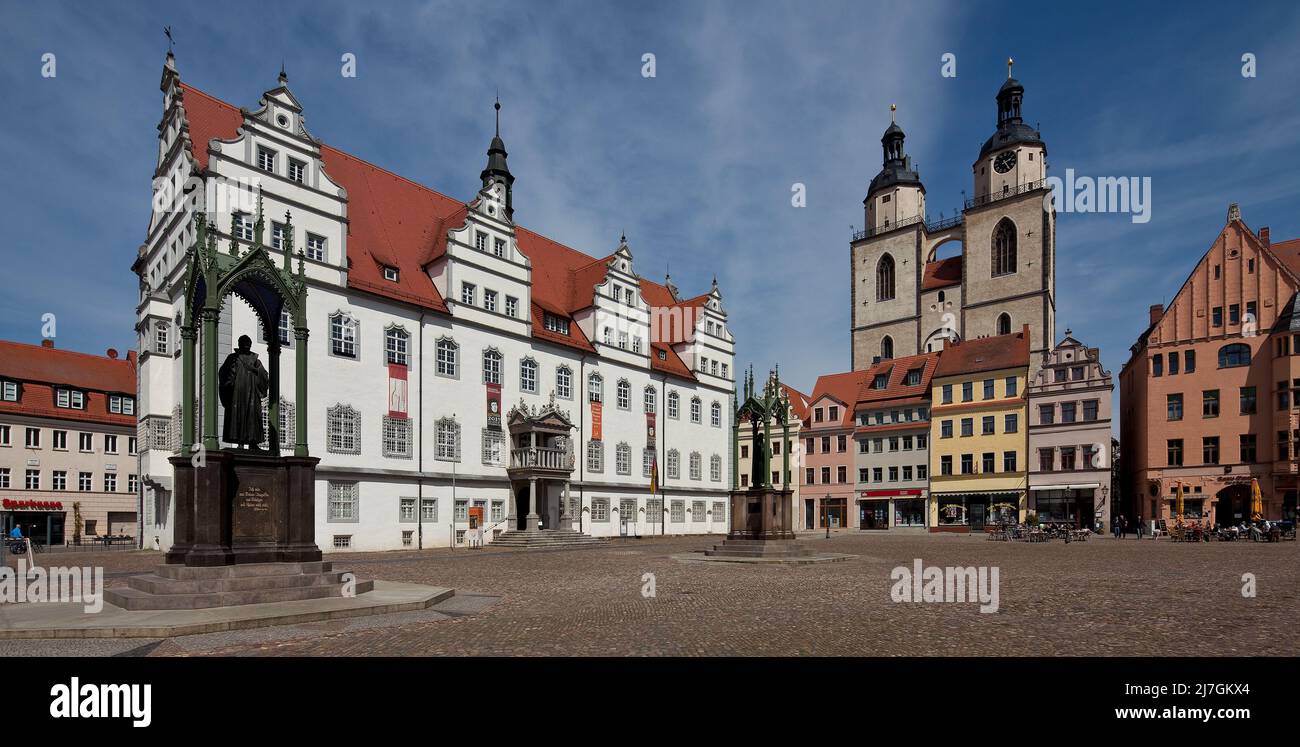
[464, 368]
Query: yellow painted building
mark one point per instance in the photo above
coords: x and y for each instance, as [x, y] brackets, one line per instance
[979, 433]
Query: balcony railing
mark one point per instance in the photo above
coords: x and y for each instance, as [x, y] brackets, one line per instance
[540, 457]
[1007, 192]
[930, 226]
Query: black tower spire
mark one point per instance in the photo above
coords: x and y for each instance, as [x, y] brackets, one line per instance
[497, 170]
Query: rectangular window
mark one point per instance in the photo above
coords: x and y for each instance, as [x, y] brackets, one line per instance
[110, 483]
[968, 464]
[4, 477]
[698, 511]
[266, 159]
[1189, 361]
[468, 292]
[826, 475]
[1046, 460]
[499, 246]
[33, 440]
[987, 425]
[32, 479]
[512, 306]
[678, 514]
[1234, 314]
[1013, 386]
[1247, 448]
[490, 300]
[84, 480]
[1210, 403]
[1174, 406]
[842, 474]
[1157, 365]
[342, 504]
[987, 463]
[1067, 457]
[1248, 404]
[988, 389]
[315, 247]
[1090, 409]
[10, 391]
[60, 440]
[1173, 363]
[110, 444]
[967, 427]
[1047, 414]
[947, 394]
[1216, 316]
[297, 169]
[945, 429]
[600, 509]
[945, 465]
[1210, 450]
[480, 241]
[343, 336]
[1174, 452]
[809, 476]
[277, 235]
[1009, 461]
[967, 391]
[1069, 412]
[60, 480]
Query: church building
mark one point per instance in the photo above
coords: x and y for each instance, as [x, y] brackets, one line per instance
[907, 299]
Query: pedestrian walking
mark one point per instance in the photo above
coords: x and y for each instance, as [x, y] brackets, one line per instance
[1140, 527]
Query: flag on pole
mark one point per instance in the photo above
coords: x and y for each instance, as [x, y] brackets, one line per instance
[654, 475]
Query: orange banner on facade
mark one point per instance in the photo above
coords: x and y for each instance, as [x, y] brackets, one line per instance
[595, 421]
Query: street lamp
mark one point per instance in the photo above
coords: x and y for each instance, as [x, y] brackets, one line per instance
[1105, 490]
[826, 514]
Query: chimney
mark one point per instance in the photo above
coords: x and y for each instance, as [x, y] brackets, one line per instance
[47, 342]
[1263, 236]
[1157, 311]
[112, 353]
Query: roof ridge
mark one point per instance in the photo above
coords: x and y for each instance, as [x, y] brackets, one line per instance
[67, 351]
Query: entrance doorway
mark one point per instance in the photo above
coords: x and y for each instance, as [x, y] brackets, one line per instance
[1233, 506]
[873, 514]
[835, 511]
[809, 513]
[976, 516]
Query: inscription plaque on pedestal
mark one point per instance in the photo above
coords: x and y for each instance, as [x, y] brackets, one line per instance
[254, 519]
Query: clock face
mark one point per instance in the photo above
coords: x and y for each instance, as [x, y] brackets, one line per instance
[1003, 163]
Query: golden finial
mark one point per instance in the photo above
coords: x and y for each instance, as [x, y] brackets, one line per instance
[892, 108]
[1010, 62]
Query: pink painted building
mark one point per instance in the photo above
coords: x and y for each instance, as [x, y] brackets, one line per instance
[829, 470]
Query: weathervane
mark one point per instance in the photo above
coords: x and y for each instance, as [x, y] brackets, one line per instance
[892, 108]
[171, 43]
[1010, 62]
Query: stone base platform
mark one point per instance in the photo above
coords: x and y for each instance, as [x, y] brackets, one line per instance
[532, 538]
[180, 587]
[71, 620]
[764, 551]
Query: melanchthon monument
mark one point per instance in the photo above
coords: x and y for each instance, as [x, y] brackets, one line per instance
[242, 504]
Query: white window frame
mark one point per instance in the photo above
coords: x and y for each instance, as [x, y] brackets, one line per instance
[447, 440]
[343, 504]
[623, 458]
[344, 336]
[493, 362]
[564, 382]
[447, 358]
[528, 375]
[316, 248]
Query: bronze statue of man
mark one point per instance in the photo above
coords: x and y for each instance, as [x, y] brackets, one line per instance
[243, 383]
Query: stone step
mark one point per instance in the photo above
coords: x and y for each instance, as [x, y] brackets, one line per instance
[135, 599]
[155, 584]
[179, 572]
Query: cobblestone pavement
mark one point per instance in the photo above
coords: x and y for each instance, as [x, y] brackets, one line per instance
[1101, 597]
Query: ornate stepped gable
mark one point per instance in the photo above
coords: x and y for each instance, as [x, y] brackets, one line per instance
[395, 222]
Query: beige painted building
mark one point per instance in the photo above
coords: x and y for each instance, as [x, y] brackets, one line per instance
[67, 443]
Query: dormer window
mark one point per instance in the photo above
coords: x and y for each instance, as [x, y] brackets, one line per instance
[881, 381]
[121, 405]
[390, 274]
[913, 377]
[9, 391]
[554, 323]
[663, 355]
[266, 159]
[71, 399]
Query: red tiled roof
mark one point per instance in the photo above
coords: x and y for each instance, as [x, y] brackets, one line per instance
[393, 221]
[798, 401]
[897, 369]
[1289, 252]
[985, 354]
[40, 370]
[942, 273]
[842, 387]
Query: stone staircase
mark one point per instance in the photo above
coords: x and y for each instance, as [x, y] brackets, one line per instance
[179, 587]
[546, 538]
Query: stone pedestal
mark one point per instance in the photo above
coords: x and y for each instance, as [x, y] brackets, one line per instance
[761, 514]
[244, 507]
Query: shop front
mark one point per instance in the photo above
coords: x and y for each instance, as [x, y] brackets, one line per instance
[975, 511]
[886, 509]
[1075, 505]
[41, 521]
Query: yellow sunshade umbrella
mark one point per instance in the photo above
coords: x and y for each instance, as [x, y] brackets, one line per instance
[1256, 501]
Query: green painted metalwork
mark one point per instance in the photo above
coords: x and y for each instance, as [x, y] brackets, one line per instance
[771, 404]
[252, 275]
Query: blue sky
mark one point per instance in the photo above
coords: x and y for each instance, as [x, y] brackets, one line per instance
[696, 164]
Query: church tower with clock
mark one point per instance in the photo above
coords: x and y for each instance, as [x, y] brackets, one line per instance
[907, 299]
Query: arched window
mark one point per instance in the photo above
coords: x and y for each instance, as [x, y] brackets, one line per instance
[564, 382]
[595, 456]
[595, 387]
[715, 468]
[491, 366]
[624, 394]
[396, 346]
[1236, 354]
[1004, 324]
[885, 279]
[448, 440]
[673, 405]
[623, 458]
[447, 355]
[1004, 248]
[887, 348]
[343, 335]
[650, 399]
[528, 375]
[674, 464]
[695, 465]
[715, 415]
[941, 296]
[696, 407]
[342, 430]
